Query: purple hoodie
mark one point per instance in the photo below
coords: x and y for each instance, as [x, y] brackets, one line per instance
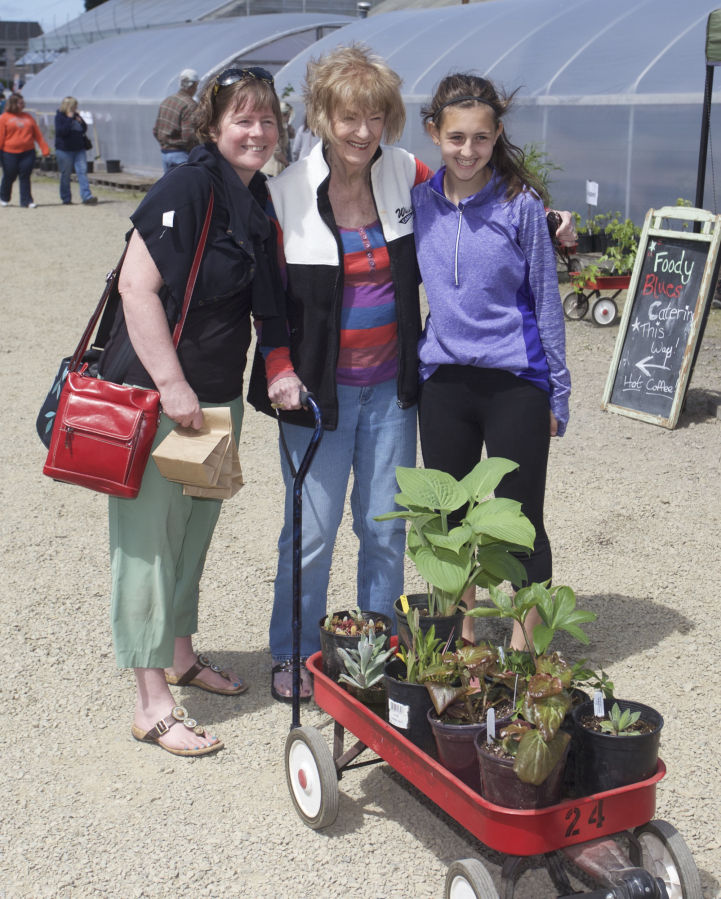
[489, 271]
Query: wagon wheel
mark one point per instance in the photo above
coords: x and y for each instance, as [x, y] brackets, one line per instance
[468, 879]
[666, 855]
[604, 312]
[575, 305]
[574, 264]
[312, 777]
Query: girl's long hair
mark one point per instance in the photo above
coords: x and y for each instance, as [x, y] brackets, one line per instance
[507, 160]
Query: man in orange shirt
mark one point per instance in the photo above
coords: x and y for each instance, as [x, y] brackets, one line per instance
[18, 135]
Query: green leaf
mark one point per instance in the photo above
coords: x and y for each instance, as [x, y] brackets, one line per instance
[486, 476]
[547, 713]
[576, 632]
[500, 563]
[555, 666]
[443, 568]
[431, 489]
[542, 685]
[443, 695]
[535, 759]
[502, 601]
[542, 636]
[484, 612]
[402, 500]
[502, 519]
[454, 540]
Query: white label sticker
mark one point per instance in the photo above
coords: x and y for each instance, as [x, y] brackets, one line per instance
[490, 725]
[398, 714]
[592, 193]
[168, 218]
[599, 709]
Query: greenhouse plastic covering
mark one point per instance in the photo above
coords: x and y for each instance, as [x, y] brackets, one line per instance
[120, 82]
[612, 89]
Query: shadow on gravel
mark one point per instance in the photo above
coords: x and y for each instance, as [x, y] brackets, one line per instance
[626, 626]
[695, 409]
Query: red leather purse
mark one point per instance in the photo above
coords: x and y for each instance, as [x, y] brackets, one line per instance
[103, 432]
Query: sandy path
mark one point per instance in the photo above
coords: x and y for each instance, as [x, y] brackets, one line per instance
[633, 513]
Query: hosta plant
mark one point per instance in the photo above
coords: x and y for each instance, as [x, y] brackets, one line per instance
[535, 741]
[364, 665]
[479, 550]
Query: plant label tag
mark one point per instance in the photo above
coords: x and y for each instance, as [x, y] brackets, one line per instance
[168, 218]
[592, 193]
[501, 655]
[599, 709]
[404, 603]
[398, 714]
[490, 725]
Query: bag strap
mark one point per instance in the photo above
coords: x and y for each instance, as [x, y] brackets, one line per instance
[112, 276]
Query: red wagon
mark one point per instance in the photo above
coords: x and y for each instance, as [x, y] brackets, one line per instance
[604, 310]
[610, 836]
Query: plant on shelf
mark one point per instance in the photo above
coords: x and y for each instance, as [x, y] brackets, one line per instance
[364, 666]
[353, 624]
[476, 552]
[536, 743]
[622, 252]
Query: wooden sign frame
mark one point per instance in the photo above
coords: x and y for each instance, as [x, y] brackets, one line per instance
[653, 227]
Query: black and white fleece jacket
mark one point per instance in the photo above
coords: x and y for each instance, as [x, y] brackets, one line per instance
[314, 270]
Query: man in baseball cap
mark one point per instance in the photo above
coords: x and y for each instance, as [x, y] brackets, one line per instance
[173, 129]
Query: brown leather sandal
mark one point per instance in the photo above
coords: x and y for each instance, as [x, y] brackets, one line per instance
[189, 679]
[178, 716]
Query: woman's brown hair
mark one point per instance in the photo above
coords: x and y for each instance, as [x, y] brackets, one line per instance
[213, 107]
[508, 160]
[13, 103]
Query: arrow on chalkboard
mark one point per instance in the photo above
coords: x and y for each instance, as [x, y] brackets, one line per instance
[645, 364]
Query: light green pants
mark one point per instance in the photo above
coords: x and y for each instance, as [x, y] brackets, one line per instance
[158, 545]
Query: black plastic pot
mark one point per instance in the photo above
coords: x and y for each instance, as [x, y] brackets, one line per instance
[408, 706]
[568, 726]
[456, 747]
[91, 166]
[501, 786]
[605, 761]
[333, 665]
[600, 243]
[112, 166]
[585, 243]
[373, 697]
[445, 625]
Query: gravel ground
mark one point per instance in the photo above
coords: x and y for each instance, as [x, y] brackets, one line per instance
[633, 514]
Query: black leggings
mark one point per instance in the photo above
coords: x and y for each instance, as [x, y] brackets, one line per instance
[460, 408]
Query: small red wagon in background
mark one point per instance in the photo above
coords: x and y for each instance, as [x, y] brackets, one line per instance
[604, 310]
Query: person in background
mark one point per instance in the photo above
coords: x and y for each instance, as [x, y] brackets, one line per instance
[70, 130]
[303, 142]
[19, 133]
[281, 156]
[173, 129]
[2, 100]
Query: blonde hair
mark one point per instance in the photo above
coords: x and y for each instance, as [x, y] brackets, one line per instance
[352, 77]
[212, 107]
[67, 104]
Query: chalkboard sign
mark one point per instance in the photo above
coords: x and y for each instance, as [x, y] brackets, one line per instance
[673, 279]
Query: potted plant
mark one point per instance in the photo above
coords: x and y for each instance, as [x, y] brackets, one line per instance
[343, 630]
[477, 552]
[585, 236]
[405, 677]
[363, 675]
[524, 767]
[618, 749]
[464, 687]
[623, 245]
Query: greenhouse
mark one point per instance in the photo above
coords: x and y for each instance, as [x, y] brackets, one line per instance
[122, 80]
[612, 89]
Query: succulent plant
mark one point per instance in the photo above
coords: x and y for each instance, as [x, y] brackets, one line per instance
[618, 721]
[365, 664]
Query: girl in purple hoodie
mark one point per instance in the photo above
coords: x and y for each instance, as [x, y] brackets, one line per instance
[492, 354]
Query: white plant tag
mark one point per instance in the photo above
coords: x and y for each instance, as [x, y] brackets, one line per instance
[592, 193]
[168, 218]
[501, 655]
[490, 725]
[398, 714]
[599, 709]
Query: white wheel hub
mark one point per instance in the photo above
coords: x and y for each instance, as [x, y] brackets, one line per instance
[461, 889]
[604, 311]
[305, 778]
[659, 861]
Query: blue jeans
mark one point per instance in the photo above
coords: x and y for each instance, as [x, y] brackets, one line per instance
[373, 436]
[174, 159]
[20, 166]
[67, 161]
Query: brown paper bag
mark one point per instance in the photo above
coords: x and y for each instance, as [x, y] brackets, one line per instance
[187, 456]
[230, 480]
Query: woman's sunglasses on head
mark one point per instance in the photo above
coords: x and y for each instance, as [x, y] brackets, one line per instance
[233, 76]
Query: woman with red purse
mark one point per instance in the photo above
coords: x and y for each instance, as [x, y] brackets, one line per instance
[159, 540]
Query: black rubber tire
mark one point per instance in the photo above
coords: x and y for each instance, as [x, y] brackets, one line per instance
[474, 874]
[604, 321]
[574, 265]
[682, 860]
[323, 777]
[575, 306]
